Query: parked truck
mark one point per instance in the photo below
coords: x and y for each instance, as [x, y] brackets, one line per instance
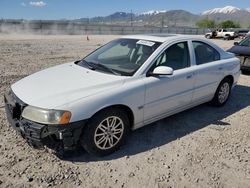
[221, 33]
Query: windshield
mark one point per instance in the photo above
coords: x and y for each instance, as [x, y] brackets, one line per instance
[122, 56]
[245, 42]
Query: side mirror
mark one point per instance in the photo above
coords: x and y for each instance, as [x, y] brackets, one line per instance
[236, 43]
[162, 70]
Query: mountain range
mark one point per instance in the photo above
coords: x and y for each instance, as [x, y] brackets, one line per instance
[168, 18]
[225, 10]
[242, 16]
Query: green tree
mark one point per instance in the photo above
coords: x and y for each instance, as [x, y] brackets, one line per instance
[229, 24]
[206, 23]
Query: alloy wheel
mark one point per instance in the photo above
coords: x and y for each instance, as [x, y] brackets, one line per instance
[224, 92]
[109, 132]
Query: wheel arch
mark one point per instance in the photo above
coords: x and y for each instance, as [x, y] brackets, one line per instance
[215, 100]
[229, 77]
[124, 108]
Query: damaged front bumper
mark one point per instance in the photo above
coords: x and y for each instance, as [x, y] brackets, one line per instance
[37, 135]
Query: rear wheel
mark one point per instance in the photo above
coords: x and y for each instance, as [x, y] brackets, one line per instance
[208, 36]
[105, 132]
[222, 93]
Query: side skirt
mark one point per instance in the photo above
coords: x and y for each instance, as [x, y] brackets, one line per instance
[175, 111]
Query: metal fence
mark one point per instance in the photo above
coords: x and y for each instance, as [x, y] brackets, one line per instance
[78, 28]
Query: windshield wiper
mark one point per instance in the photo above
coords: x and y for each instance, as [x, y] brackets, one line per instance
[104, 67]
[96, 65]
[87, 64]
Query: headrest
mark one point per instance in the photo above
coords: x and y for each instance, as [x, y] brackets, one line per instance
[146, 50]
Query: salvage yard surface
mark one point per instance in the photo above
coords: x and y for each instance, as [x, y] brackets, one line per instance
[201, 147]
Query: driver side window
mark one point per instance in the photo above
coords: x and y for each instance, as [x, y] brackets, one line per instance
[176, 56]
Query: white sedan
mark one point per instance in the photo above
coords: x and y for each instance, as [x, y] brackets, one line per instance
[126, 84]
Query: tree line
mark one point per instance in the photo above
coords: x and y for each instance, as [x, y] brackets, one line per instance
[207, 23]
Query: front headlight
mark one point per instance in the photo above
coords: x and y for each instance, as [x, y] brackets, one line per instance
[45, 116]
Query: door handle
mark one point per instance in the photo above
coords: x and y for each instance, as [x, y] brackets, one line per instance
[220, 68]
[189, 76]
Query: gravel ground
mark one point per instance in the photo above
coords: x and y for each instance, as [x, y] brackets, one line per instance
[201, 147]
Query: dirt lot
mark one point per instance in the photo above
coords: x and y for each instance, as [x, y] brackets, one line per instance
[201, 147]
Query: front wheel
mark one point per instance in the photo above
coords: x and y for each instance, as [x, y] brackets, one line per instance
[105, 132]
[222, 93]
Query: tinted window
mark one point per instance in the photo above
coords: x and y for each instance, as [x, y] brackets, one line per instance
[204, 53]
[176, 57]
[245, 42]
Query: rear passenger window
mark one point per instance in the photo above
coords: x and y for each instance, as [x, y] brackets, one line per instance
[204, 53]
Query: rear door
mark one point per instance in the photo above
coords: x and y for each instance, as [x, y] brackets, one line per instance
[208, 70]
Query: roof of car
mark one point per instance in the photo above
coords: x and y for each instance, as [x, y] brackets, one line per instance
[165, 38]
[161, 37]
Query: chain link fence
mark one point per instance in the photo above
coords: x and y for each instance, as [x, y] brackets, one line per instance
[78, 28]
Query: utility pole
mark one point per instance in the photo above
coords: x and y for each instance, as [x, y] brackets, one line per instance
[162, 21]
[131, 18]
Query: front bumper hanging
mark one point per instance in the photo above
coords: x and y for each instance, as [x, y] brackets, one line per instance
[36, 134]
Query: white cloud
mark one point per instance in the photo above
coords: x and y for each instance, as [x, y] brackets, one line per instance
[38, 3]
[23, 4]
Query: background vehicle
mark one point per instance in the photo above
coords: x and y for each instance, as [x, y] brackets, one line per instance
[242, 33]
[242, 51]
[221, 33]
[248, 34]
[124, 85]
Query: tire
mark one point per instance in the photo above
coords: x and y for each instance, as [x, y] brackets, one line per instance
[222, 93]
[245, 72]
[105, 132]
[227, 37]
[208, 36]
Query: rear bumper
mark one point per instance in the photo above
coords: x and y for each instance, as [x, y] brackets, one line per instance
[36, 134]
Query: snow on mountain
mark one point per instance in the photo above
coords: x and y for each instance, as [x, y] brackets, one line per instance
[224, 10]
[248, 10]
[153, 12]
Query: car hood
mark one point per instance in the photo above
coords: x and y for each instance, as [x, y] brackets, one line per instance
[62, 84]
[241, 50]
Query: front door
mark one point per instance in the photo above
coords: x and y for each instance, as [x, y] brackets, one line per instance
[168, 93]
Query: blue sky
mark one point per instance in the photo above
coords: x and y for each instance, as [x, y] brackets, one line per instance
[59, 9]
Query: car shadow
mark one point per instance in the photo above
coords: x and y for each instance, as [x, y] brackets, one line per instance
[174, 127]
